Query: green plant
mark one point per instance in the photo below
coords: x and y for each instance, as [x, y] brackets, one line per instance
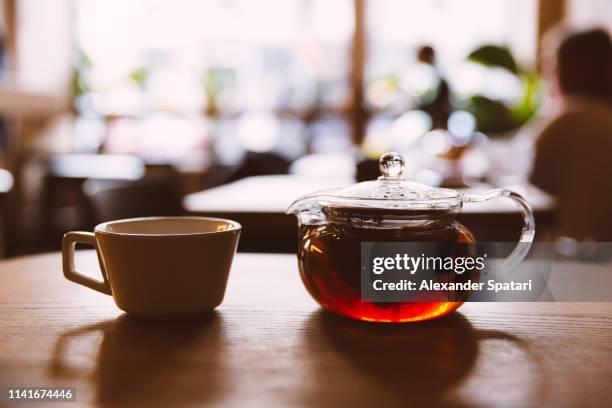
[140, 76]
[214, 82]
[493, 116]
[80, 82]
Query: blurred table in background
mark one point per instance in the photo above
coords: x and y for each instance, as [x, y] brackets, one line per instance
[96, 166]
[259, 204]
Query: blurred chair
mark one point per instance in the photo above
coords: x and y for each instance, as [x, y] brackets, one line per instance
[261, 164]
[6, 184]
[64, 206]
[148, 198]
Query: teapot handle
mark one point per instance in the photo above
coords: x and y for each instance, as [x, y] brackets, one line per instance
[522, 248]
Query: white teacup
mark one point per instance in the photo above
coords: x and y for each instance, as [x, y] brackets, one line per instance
[159, 267]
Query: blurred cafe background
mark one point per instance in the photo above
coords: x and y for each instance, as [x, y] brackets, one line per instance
[121, 108]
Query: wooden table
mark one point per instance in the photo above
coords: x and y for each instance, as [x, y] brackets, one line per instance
[259, 204]
[269, 344]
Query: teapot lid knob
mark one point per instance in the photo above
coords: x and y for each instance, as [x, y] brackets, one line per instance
[391, 166]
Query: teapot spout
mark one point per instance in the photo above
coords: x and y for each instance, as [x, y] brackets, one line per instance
[307, 209]
[304, 204]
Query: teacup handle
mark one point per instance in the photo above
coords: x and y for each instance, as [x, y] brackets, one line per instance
[522, 247]
[71, 273]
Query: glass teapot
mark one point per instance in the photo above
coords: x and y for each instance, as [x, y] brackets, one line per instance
[334, 223]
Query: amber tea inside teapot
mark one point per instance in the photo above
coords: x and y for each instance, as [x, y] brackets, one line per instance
[333, 224]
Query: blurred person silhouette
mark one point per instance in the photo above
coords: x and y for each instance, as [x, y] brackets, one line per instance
[435, 102]
[573, 152]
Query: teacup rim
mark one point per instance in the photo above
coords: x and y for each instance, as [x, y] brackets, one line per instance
[101, 228]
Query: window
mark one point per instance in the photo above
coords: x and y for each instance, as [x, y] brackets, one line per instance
[273, 65]
[262, 74]
[395, 81]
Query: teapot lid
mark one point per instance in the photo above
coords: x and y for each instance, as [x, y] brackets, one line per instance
[393, 191]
